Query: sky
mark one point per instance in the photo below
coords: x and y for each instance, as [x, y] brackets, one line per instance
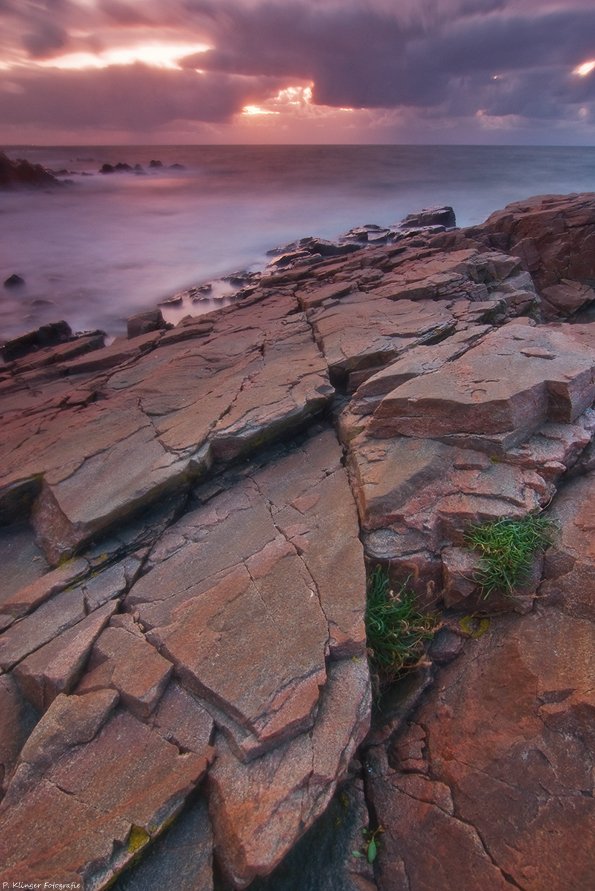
[297, 71]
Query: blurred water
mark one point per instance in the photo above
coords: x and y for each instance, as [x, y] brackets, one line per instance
[111, 245]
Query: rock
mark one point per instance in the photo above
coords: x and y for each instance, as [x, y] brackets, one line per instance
[182, 721]
[459, 567]
[421, 360]
[86, 765]
[144, 322]
[430, 216]
[123, 660]
[43, 356]
[61, 611]
[292, 785]
[21, 174]
[14, 281]
[323, 860]
[46, 336]
[570, 568]
[155, 164]
[534, 375]
[181, 858]
[553, 235]
[286, 531]
[156, 433]
[21, 565]
[217, 603]
[56, 667]
[18, 720]
[529, 754]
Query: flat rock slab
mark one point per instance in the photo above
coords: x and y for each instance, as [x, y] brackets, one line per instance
[260, 809]
[363, 332]
[514, 380]
[248, 594]
[503, 787]
[86, 766]
[161, 419]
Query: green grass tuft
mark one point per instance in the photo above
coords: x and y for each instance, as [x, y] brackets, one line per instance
[395, 630]
[507, 548]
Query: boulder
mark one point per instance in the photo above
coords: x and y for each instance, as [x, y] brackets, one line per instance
[46, 336]
[144, 322]
[14, 281]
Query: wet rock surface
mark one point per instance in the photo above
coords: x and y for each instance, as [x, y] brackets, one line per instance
[189, 515]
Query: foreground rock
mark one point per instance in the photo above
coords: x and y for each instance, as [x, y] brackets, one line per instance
[502, 783]
[182, 588]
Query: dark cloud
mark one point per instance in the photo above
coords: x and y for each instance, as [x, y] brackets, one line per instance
[45, 40]
[130, 97]
[440, 59]
[364, 56]
[122, 13]
[499, 43]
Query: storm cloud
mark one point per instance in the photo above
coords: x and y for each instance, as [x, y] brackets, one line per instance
[441, 61]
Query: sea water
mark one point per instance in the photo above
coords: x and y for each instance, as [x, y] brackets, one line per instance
[107, 246]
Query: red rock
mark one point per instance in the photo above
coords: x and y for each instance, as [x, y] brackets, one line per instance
[182, 721]
[260, 809]
[554, 236]
[56, 667]
[31, 596]
[124, 661]
[91, 777]
[570, 565]
[18, 720]
[535, 374]
[418, 361]
[508, 734]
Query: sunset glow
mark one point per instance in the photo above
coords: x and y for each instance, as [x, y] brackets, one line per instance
[158, 55]
[255, 109]
[380, 71]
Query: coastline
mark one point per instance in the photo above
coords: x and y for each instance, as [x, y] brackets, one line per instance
[190, 518]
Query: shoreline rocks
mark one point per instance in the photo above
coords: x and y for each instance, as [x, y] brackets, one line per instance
[189, 515]
[21, 174]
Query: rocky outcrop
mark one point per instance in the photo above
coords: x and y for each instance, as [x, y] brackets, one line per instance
[22, 174]
[189, 514]
[553, 236]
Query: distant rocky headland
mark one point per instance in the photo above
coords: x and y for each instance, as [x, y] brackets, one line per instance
[190, 516]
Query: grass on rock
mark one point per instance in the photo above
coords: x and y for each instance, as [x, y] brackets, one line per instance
[395, 630]
[507, 548]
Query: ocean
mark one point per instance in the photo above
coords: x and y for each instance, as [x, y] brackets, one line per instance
[110, 245]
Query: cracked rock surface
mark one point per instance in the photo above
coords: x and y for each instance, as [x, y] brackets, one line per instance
[188, 517]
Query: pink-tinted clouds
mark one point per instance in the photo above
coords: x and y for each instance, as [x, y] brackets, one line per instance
[297, 70]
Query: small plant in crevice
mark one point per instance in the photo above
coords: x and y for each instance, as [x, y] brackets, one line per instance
[371, 844]
[507, 548]
[396, 631]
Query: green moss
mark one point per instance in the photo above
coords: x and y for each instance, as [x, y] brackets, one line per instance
[507, 548]
[395, 630]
